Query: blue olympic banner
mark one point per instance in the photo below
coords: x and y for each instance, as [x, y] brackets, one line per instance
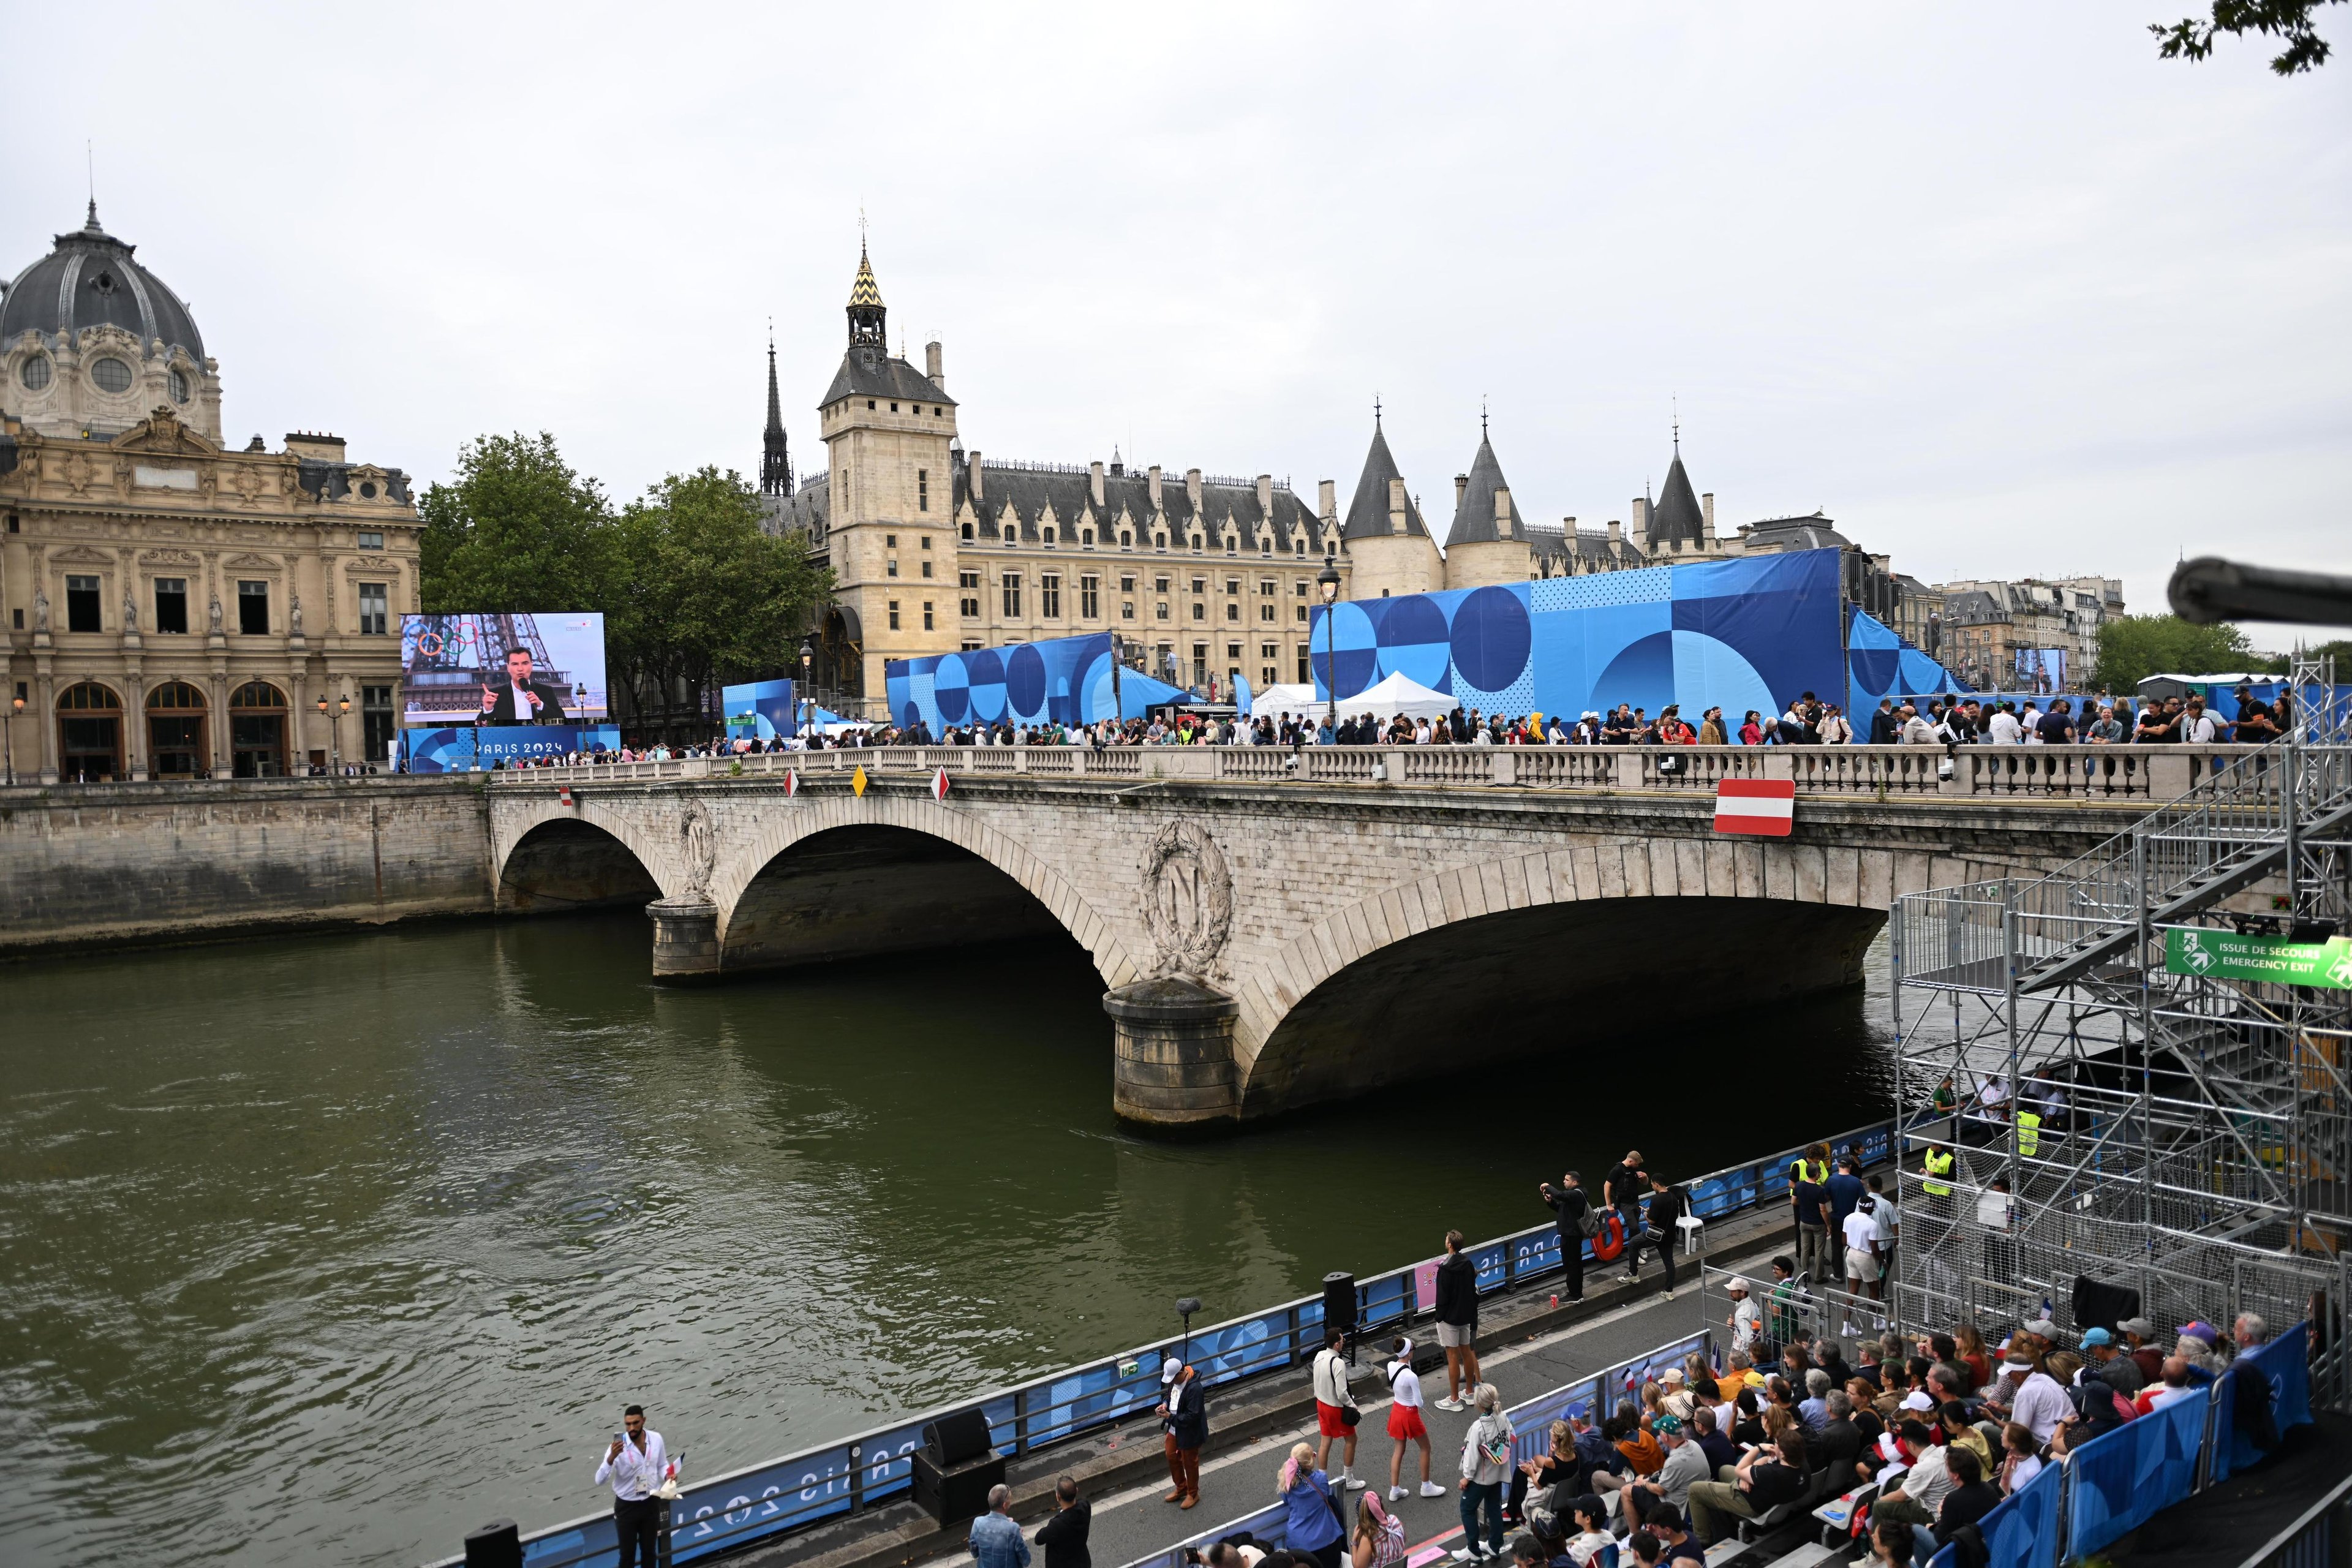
[760, 710]
[1065, 680]
[468, 747]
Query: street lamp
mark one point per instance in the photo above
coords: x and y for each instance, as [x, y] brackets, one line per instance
[1185, 1307]
[16, 706]
[1328, 581]
[808, 658]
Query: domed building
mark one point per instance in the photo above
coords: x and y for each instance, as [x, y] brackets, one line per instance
[174, 609]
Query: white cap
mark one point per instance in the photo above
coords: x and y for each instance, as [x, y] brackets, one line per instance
[1737, 1284]
[1169, 1368]
[1917, 1400]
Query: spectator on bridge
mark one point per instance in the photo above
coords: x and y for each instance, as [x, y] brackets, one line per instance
[1457, 1321]
[1336, 1412]
[2256, 725]
[1751, 728]
[1761, 1481]
[1710, 728]
[2158, 726]
[1405, 1425]
[1485, 1463]
[1657, 1230]
[1311, 1508]
[1623, 1188]
[1064, 1536]
[2106, 730]
[1570, 1210]
[1834, 729]
[1619, 728]
[995, 1540]
[2198, 727]
[1184, 1418]
[637, 1466]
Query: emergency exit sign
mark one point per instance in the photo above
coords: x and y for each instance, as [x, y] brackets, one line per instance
[2226, 955]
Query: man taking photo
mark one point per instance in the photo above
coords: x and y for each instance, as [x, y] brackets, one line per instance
[635, 1465]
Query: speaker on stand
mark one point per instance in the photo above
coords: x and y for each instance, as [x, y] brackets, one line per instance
[1340, 1307]
[955, 1467]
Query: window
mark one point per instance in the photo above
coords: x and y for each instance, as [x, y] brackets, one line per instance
[890, 567]
[257, 730]
[889, 541]
[1012, 535]
[376, 609]
[1232, 584]
[89, 733]
[171, 603]
[1126, 538]
[35, 373]
[1231, 543]
[253, 609]
[927, 565]
[1232, 611]
[175, 731]
[112, 374]
[968, 582]
[81, 604]
[1301, 611]
[1306, 671]
[370, 539]
[1200, 664]
[1159, 542]
[1301, 586]
[1087, 538]
[894, 408]
[1265, 587]
[1047, 537]
[1159, 610]
[927, 614]
[1127, 609]
[1159, 584]
[1233, 652]
[1265, 545]
[922, 490]
[967, 533]
[926, 541]
[1265, 611]
[179, 383]
[1196, 544]
[1013, 593]
[1049, 595]
[1090, 597]
[375, 722]
[1199, 585]
[893, 614]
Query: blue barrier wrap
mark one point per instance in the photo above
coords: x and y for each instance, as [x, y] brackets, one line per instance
[2022, 1533]
[2122, 1479]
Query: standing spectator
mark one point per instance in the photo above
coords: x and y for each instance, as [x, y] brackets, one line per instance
[1862, 1264]
[1405, 1425]
[1995, 1214]
[2255, 725]
[1747, 1321]
[1657, 1230]
[1883, 726]
[1064, 1536]
[1335, 1402]
[1845, 1190]
[2057, 726]
[1809, 1198]
[1569, 1207]
[636, 1465]
[1457, 1319]
[1184, 1417]
[1623, 1188]
[995, 1540]
[1311, 1526]
[1834, 731]
[1812, 1165]
[1751, 728]
[1486, 1465]
[1887, 1223]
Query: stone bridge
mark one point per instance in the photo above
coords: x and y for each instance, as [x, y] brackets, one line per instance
[1268, 940]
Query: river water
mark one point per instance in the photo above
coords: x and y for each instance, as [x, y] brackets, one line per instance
[330, 1248]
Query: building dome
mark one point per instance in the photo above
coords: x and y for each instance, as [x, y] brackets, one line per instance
[90, 280]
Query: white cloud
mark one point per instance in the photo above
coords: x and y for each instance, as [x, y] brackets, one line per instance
[1995, 286]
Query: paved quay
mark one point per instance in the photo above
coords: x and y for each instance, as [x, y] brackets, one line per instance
[1526, 1347]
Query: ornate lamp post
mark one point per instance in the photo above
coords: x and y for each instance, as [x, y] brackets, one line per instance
[808, 658]
[1328, 580]
[16, 706]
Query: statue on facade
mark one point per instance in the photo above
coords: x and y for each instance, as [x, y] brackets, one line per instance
[294, 616]
[40, 611]
[700, 850]
[216, 614]
[130, 615]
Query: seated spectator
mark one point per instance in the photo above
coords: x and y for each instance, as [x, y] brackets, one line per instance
[2021, 1457]
[1721, 1451]
[1968, 1498]
[1591, 1532]
[2175, 1385]
[1760, 1482]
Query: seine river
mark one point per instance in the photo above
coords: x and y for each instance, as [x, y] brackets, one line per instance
[328, 1249]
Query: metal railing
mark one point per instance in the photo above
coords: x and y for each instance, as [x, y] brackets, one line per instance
[873, 1467]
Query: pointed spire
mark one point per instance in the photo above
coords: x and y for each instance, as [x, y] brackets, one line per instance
[868, 317]
[1474, 505]
[1368, 512]
[776, 452]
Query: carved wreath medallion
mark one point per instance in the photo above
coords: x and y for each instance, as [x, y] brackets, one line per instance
[1187, 898]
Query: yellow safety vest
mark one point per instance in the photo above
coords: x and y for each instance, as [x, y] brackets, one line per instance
[1931, 1167]
[1797, 1171]
[2029, 1133]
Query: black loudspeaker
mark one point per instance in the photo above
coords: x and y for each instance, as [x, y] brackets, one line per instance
[2099, 1305]
[1340, 1301]
[952, 1439]
[498, 1545]
[953, 1493]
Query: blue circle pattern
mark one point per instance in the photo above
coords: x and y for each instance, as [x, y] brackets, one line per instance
[1414, 641]
[1354, 641]
[1492, 639]
[951, 689]
[1025, 682]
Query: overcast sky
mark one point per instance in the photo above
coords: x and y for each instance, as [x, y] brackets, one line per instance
[1995, 287]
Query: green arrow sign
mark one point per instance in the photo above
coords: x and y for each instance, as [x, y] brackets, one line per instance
[2226, 955]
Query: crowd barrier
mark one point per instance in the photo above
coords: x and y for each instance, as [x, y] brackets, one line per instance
[1530, 1427]
[2114, 1484]
[860, 1472]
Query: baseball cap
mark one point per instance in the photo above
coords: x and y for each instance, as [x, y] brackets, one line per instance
[2139, 1326]
[1918, 1399]
[2043, 1327]
[1667, 1426]
[1737, 1285]
[2097, 1337]
[1168, 1370]
[1672, 1374]
[2201, 1330]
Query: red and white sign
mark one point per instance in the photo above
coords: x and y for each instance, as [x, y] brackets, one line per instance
[940, 784]
[792, 783]
[1765, 807]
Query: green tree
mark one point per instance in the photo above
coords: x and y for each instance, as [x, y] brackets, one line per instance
[703, 595]
[2137, 647]
[517, 529]
[2191, 38]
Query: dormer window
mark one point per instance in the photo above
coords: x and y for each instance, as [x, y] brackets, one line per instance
[1010, 534]
[1126, 538]
[179, 386]
[1232, 544]
[1048, 536]
[894, 408]
[967, 533]
[1087, 538]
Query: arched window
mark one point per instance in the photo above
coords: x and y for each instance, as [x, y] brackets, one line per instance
[176, 731]
[256, 730]
[1265, 544]
[90, 733]
[1048, 535]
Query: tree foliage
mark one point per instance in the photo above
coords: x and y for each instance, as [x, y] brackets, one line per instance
[515, 532]
[2191, 38]
[2137, 647]
[702, 595]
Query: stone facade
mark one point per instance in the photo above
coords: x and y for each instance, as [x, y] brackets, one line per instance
[172, 607]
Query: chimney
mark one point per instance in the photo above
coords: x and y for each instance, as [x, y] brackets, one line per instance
[1327, 501]
[1265, 497]
[932, 368]
[1461, 483]
[1568, 525]
[971, 480]
[1152, 479]
[1641, 523]
[1396, 507]
[1616, 530]
[1095, 484]
[1192, 486]
[1503, 511]
[1706, 518]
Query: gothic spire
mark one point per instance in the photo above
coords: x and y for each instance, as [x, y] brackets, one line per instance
[775, 455]
[867, 313]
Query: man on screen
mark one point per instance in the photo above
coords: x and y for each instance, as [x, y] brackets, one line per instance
[519, 699]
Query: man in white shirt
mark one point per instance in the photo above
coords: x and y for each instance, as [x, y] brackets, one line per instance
[636, 1465]
[2004, 729]
[1334, 1402]
[1861, 1230]
[2041, 1403]
[1746, 1318]
[2198, 727]
[1405, 1424]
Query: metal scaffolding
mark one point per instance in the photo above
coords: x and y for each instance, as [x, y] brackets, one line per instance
[2160, 1123]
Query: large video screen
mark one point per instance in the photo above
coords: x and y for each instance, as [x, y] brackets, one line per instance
[533, 669]
[2040, 669]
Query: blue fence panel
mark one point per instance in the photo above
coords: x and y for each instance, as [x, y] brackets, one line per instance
[720, 1517]
[2022, 1533]
[1494, 1264]
[889, 1467]
[592, 1545]
[1089, 1397]
[1386, 1300]
[2285, 1363]
[1533, 1253]
[1252, 1346]
[2124, 1478]
[1002, 1426]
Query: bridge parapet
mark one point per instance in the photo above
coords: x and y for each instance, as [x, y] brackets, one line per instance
[2136, 774]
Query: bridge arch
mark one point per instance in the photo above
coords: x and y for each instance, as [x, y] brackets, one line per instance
[1482, 961]
[552, 858]
[836, 876]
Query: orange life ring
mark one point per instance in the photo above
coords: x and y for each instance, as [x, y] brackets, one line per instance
[1611, 1239]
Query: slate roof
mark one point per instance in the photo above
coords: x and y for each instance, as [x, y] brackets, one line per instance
[1368, 512]
[1677, 516]
[1551, 542]
[1972, 607]
[868, 372]
[1030, 491]
[1812, 531]
[90, 280]
[1474, 513]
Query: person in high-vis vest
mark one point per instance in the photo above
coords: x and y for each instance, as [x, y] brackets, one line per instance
[1936, 1180]
[2029, 1134]
[1812, 1165]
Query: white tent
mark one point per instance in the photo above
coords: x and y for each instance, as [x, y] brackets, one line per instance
[1399, 694]
[1274, 701]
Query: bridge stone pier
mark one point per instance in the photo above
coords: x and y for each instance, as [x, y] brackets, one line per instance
[1270, 941]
